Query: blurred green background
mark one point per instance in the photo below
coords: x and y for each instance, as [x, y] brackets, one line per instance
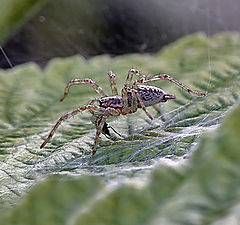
[93, 27]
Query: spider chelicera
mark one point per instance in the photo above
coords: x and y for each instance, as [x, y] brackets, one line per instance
[134, 95]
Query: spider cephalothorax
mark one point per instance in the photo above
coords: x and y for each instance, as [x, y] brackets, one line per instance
[134, 95]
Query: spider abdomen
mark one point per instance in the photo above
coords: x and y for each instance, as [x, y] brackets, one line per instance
[151, 95]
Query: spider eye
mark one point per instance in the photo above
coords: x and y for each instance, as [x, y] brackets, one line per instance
[136, 71]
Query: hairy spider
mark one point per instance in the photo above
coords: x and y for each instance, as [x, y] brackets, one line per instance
[134, 96]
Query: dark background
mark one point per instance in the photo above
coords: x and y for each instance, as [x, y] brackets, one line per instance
[92, 27]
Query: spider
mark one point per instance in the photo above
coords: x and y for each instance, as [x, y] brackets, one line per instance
[134, 95]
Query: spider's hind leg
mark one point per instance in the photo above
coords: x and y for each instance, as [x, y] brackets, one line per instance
[157, 109]
[171, 79]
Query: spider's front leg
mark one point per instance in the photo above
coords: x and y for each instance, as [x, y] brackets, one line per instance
[91, 108]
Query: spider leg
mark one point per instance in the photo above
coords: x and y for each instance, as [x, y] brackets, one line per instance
[126, 104]
[105, 129]
[135, 92]
[129, 77]
[98, 132]
[71, 114]
[156, 108]
[113, 83]
[94, 85]
[101, 120]
[131, 72]
[130, 108]
[167, 77]
[133, 106]
[91, 103]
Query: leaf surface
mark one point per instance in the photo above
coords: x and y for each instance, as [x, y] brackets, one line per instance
[30, 106]
[205, 190]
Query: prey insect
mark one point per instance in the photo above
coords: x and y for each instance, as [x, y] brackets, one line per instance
[134, 95]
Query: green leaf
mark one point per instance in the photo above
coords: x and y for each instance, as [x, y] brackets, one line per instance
[30, 106]
[203, 191]
[14, 13]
